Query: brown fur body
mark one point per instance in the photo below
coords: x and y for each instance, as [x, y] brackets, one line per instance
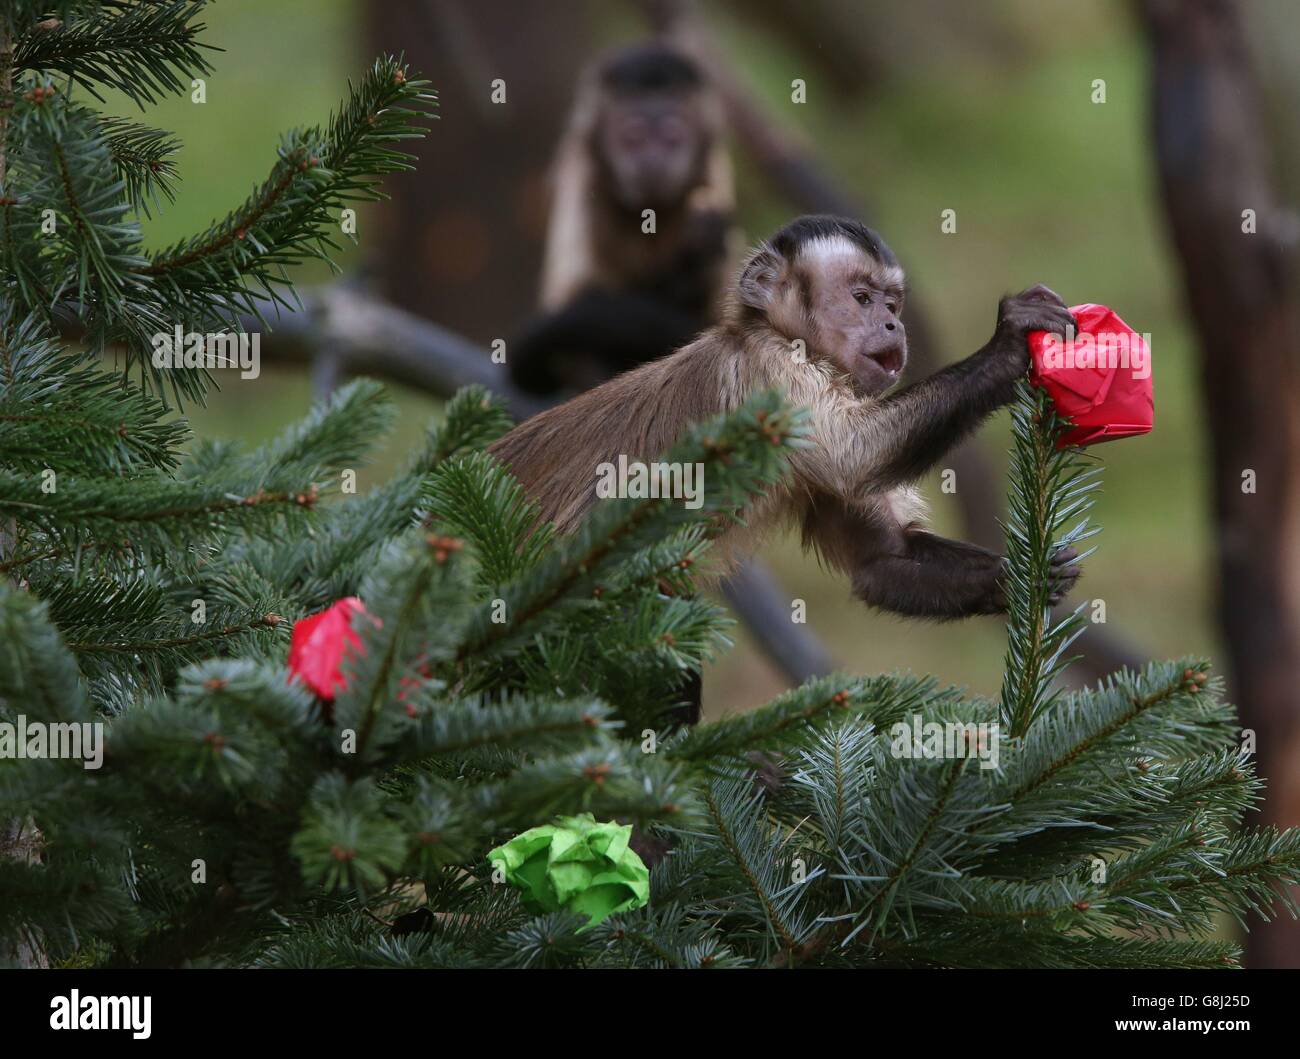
[816, 313]
[643, 412]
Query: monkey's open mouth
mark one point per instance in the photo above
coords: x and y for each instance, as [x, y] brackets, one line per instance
[890, 360]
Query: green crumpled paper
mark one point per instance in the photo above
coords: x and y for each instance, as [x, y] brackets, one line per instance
[578, 865]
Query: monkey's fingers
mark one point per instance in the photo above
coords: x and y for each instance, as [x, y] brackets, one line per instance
[1041, 292]
[1050, 318]
[1037, 309]
[1063, 576]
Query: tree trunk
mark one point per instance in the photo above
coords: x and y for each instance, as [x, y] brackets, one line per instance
[461, 243]
[1213, 161]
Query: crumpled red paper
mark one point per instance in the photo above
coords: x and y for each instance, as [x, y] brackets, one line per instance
[321, 642]
[1100, 381]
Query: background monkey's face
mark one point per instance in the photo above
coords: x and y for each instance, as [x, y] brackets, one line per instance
[652, 149]
[834, 284]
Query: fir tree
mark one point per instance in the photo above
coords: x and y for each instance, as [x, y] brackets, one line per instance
[505, 677]
[103, 516]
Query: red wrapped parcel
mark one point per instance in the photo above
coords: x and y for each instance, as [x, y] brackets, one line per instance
[1100, 379]
[321, 642]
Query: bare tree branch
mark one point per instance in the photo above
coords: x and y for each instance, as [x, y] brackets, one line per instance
[1212, 154]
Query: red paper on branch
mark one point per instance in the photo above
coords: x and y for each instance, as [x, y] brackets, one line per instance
[321, 642]
[1099, 379]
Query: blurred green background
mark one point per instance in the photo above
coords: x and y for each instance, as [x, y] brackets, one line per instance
[997, 125]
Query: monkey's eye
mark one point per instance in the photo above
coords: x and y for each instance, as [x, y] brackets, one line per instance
[892, 307]
[862, 297]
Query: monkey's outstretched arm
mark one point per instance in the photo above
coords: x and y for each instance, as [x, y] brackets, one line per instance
[915, 427]
[864, 448]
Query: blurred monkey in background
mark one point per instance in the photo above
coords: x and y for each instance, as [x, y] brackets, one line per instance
[641, 236]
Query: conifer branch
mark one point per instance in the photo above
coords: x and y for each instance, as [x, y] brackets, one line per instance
[1049, 487]
[145, 50]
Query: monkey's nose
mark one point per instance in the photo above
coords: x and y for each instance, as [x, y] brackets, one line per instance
[889, 327]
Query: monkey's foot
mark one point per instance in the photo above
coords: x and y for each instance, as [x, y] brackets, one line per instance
[1064, 573]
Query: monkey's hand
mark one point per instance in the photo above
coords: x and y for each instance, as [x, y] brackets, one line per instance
[1062, 575]
[1037, 309]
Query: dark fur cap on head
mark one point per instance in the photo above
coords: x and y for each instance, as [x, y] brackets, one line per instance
[803, 230]
[767, 261]
[652, 67]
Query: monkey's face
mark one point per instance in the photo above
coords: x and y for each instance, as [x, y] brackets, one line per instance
[652, 149]
[851, 304]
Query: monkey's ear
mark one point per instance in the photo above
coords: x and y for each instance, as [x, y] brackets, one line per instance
[759, 278]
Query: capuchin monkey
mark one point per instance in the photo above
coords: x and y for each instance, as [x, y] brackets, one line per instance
[645, 134]
[834, 286]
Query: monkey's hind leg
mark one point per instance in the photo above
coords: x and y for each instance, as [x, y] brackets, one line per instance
[690, 695]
